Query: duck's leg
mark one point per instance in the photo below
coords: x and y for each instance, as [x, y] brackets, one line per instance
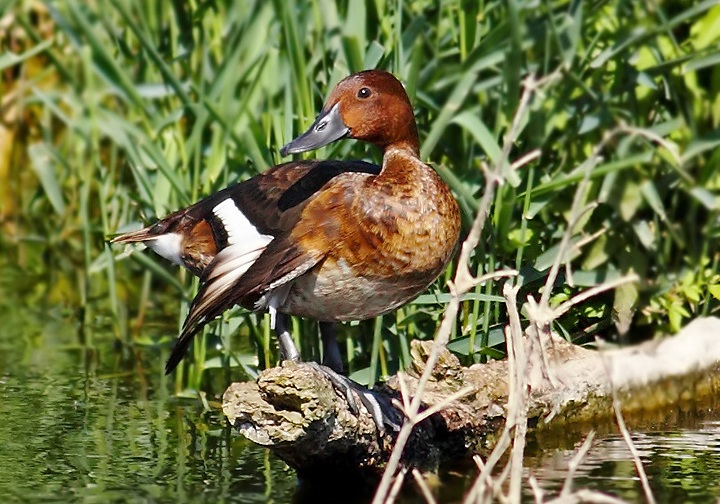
[379, 406]
[288, 350]
[331, 350]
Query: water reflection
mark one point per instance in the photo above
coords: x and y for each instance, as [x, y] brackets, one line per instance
[78, 426]
[682, 464]
[97, 440]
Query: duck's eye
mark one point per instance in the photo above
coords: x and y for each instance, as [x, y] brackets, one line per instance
[364, 93]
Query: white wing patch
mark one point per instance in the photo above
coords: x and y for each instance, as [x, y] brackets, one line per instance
[245, 245]
[169, 246]
[237, 226]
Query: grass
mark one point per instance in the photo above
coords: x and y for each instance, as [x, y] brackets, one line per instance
[117, 112]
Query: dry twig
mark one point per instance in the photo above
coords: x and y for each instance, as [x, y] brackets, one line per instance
[649, 497]
[541, 316]
[422, 484]
[575, 463]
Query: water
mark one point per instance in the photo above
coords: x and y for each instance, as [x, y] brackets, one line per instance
[90, 423]
[681, 460]
[84, 425]
[97, 439]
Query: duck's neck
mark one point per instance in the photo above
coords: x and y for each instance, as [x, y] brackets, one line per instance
[402, 155]
[409, 147]
[401, 164]
[404, 139]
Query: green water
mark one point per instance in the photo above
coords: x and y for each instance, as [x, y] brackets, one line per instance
[84, 425]
[680, 455]
[93, 422]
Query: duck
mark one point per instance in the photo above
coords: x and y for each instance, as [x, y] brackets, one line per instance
[328, 240]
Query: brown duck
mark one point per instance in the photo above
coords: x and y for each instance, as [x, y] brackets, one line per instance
[328, 240]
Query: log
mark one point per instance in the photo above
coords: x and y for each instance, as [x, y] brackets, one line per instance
[294, 410]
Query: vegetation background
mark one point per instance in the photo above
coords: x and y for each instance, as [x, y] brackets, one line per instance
[117, 112]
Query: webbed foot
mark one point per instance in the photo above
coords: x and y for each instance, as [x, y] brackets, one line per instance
[379, 406]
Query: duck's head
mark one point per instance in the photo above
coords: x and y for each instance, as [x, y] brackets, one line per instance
[371, 106]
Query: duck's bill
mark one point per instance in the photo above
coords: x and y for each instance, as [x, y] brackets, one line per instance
[327, 128]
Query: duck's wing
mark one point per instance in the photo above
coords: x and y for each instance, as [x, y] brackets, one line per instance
[257, 225]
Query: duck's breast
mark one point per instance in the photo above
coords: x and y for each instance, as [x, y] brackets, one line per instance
[384, 244]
